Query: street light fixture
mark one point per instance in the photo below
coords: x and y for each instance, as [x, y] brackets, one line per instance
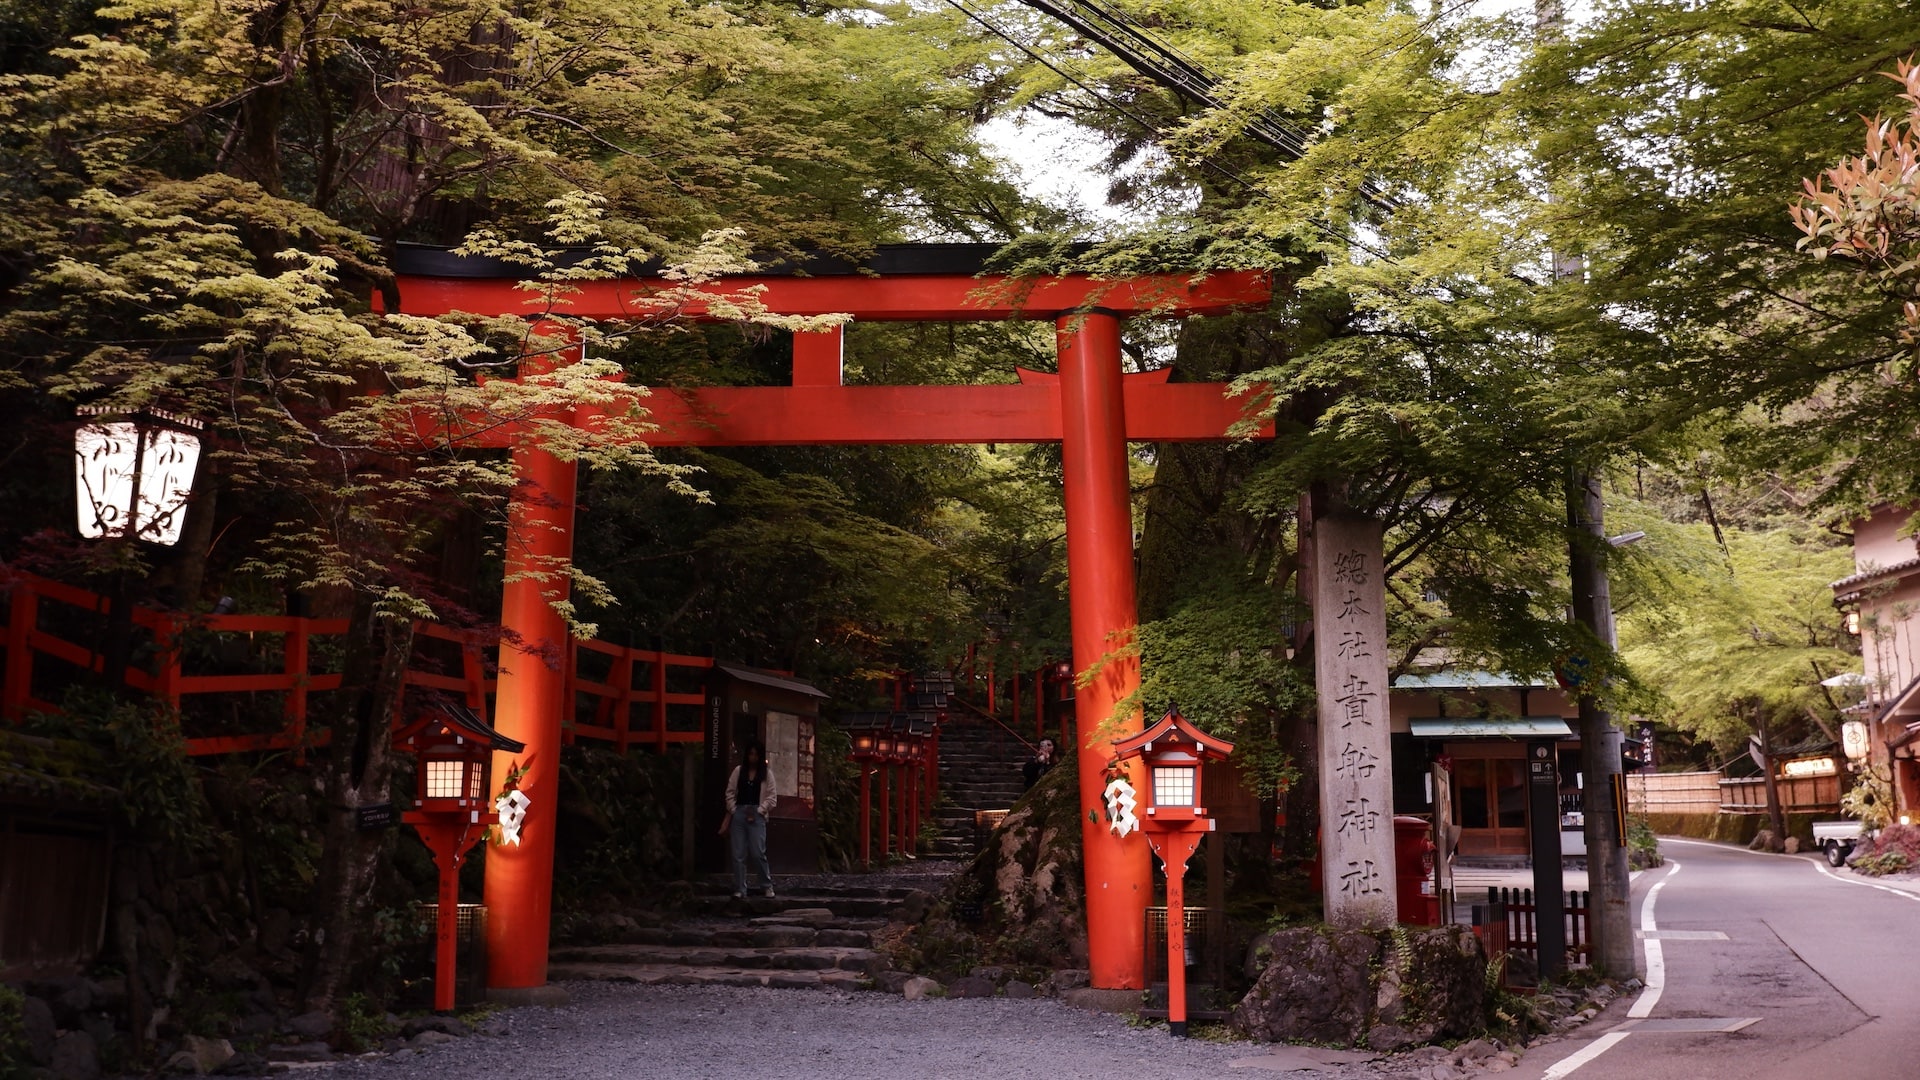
[133, 474]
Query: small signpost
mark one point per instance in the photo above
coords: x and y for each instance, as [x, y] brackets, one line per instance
[1550, 913]
[374, 817]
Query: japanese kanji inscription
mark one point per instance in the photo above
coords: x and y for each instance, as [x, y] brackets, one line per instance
[1350, 669]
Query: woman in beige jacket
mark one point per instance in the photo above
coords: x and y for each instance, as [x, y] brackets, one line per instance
[750, 798]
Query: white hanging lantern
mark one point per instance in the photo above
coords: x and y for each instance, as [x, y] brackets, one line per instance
[133, 476]
[1853, 738]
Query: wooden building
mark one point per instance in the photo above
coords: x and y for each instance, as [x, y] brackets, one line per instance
[1475, 726]
[751, 705]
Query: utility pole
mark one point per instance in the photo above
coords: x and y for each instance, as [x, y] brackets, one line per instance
[1600, 742]
[1603, 786]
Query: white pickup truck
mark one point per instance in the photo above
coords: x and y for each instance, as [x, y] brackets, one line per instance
[1835, 839]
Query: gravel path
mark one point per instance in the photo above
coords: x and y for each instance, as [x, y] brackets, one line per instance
[623, 1031]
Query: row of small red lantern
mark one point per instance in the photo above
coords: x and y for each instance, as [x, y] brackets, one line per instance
[904, 749]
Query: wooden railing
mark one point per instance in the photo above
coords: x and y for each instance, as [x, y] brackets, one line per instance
[606, 713]
[1522, 927]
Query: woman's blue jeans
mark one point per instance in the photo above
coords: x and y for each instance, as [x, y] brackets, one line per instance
[749, 836]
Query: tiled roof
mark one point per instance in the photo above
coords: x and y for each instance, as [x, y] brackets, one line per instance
[1846, 586]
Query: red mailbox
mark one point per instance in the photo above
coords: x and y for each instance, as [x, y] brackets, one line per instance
[1418, 902]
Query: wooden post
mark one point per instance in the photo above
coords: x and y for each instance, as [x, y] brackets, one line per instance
[866, 815]
[660, 701]
[886, 815]
[620, 704]
[23, 615]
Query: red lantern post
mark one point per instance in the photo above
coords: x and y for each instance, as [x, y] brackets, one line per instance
[1173, 751]
[863, 731]
[452, 811]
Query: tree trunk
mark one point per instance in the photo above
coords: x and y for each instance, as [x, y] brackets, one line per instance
[359, 773]
[1775, 815]
[1600, 743]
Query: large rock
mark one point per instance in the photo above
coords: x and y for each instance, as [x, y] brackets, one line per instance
[199, 1056]
[1317, 987]
[446, 1025]
[971, 986]
[1432, 986]
[69, 998]
[1031, 879]
[310, 1025]
[36, 1017]
[1387, 991]
[75, 1057]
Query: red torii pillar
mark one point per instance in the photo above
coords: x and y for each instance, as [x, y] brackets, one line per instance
[1100, 596]
[529, 707]
[1089, 408]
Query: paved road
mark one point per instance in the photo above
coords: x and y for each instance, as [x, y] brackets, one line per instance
[1758, 967]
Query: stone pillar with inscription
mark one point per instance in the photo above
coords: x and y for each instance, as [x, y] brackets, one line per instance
[1356, 767]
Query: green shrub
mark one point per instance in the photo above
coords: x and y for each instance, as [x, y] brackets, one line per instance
[1643, 846]
[15, 1064]
[1869, 800]
[1881, 863]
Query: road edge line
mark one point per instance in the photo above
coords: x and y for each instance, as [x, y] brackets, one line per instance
[1594, 1049]
[1656, 981]
[1656, 958]
[1831, 876]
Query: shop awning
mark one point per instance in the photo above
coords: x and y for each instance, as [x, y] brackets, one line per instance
[1512, 727]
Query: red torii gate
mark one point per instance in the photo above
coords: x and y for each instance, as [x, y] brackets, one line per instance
[1090, 408]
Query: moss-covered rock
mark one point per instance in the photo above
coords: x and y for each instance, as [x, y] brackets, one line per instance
[1432, 986]
[1387, 991]
[1317, 987]
[1021, 902]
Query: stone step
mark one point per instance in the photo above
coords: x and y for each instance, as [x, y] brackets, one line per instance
[774, 934]
[681, 975]
[723, 883]
[862, 961]
[907, 907]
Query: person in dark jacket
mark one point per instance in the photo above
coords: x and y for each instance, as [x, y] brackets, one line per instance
[750, 798]
[1037, 766]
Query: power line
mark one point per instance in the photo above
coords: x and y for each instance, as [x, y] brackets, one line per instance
[1153, 129]
[1168, 66]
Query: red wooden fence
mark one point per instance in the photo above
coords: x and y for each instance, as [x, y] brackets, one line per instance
[608, 711]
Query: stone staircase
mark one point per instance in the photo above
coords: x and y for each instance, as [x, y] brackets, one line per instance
[980, 764]
[817, 932]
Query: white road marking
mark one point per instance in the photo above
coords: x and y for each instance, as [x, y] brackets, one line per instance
[1689, 1025]
[1656, 980]
[1815, 863]
[1656, 959]
[1867, 884]
[1587, 1053]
